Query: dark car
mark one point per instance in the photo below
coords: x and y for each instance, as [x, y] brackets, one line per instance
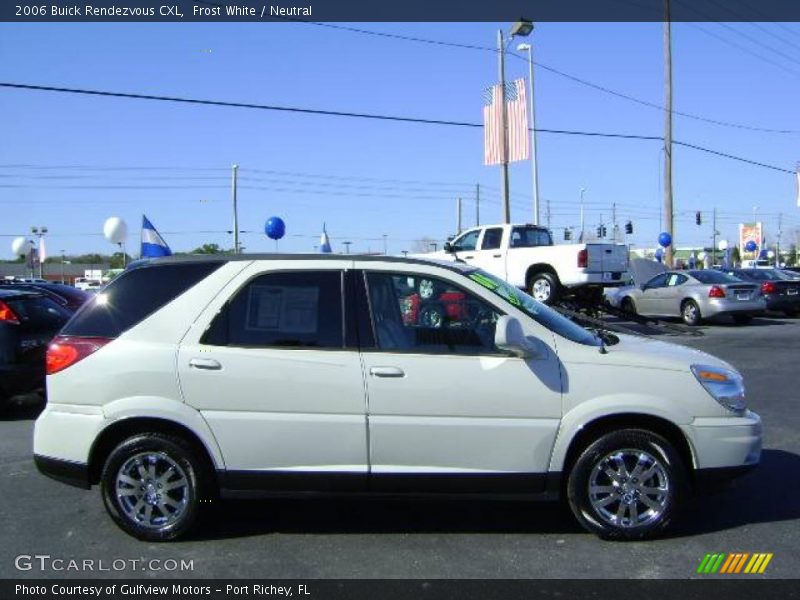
[782, 295]
[28, 321]
[66, 295]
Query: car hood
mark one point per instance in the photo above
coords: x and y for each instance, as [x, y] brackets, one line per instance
[635, 351]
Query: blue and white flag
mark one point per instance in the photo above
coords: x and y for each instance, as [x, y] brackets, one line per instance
[324, 242]
[153, 245]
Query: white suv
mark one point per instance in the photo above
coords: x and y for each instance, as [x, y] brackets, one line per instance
[192, 378]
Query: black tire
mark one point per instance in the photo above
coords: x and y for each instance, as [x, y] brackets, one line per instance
[669, 476]
[544, 287]
[690, 313]
[628, 306]
[195, 472]
[742, 319]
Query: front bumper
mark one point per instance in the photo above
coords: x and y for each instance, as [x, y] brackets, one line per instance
[726, 442]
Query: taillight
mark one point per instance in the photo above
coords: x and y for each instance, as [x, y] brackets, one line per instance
[583, 258]
[716, 292]
[7, 315]
[767, 287]
[65, 351]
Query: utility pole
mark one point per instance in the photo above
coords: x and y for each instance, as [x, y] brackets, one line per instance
[668, 214]
[547, 214]
[477, 204]
[501, 51]
[714, 237]
[583, 222]
[614, 220]
[458, 216]
[235, 210]
[385, 245]
[778, 242]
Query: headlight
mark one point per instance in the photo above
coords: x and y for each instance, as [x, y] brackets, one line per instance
[724, 385]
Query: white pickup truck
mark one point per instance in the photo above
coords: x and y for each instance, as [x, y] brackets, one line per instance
[525, 256]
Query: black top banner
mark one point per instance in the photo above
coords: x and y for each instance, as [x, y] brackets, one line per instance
[398, 10]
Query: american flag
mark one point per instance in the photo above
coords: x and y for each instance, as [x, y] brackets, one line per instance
[494, 148]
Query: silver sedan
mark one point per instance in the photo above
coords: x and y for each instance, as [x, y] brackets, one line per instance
[694, 296]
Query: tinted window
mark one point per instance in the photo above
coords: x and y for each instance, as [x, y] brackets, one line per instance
[530, 237]
[709, 276]
[492, 238]
[291, 310]
[657, 281]
[675, 279]
[468, 241]
[38, 313]
[135, 295]
[426, 314]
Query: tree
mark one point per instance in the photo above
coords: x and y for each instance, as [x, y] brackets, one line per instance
[117, 261]
[736, 257]
[208, 249]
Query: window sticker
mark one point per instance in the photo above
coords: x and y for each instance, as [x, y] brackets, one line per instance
[282, 308]
[503, 292]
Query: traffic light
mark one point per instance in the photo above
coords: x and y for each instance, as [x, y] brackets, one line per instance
[604, 231]
[567, 233]
[599, 231]
[629, 227]
[698, 218]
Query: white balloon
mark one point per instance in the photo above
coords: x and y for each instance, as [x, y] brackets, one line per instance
[115, 230]
[21, 246]
[723, 245]
[770, 254]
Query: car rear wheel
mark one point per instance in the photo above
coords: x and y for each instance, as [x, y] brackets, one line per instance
[627, 485]
[544, 288]
[691, 313]
[152, 485]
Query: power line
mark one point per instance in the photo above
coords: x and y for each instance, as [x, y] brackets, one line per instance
[550, 69]
[374, 116]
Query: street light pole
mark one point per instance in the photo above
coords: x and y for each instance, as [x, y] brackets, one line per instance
[501, 53]
[534, 162]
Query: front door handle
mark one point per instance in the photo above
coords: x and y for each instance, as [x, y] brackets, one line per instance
[387, 372]
[208, 364]
[470, 256]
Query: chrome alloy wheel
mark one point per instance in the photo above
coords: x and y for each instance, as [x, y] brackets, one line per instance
[690, 312]
[629, 488]
[541, 290]
[152, 490]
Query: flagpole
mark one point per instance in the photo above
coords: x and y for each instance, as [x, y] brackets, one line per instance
[501, 51]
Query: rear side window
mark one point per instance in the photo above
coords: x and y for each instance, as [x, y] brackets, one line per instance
[134, 296]
[492, 238]
[38, 314]
[301, 309]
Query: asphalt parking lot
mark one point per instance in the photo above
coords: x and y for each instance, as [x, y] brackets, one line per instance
[395, 538]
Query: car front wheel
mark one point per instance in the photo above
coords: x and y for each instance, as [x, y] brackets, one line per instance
[627, 485]
[544, 288]
[152, 485]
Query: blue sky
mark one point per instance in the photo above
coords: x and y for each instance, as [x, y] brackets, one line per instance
[370, 178]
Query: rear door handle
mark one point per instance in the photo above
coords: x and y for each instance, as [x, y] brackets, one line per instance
[497, 256]
[386, 372]
[208, 364]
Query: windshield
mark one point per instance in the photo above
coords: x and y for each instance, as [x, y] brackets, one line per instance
[709, 276]
[544, 315]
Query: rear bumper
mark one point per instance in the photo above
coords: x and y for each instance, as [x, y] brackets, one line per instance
[71, 473]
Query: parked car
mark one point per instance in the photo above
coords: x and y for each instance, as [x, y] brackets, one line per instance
[66, 295]
[781, 294]
[28, 321]
[695, 295]
[88, 285]
[525, 257]
[243, 376]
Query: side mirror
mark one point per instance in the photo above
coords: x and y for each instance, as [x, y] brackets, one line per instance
[449, 248]
[509, 337]
[643, 287]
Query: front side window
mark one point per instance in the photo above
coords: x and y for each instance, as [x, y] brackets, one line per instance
[301, 309]
[658, 281]
[423, 314]
[468, 241]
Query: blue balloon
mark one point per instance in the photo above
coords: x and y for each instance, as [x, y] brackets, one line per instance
[275, 228]
[664, 239]
[751, 246]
